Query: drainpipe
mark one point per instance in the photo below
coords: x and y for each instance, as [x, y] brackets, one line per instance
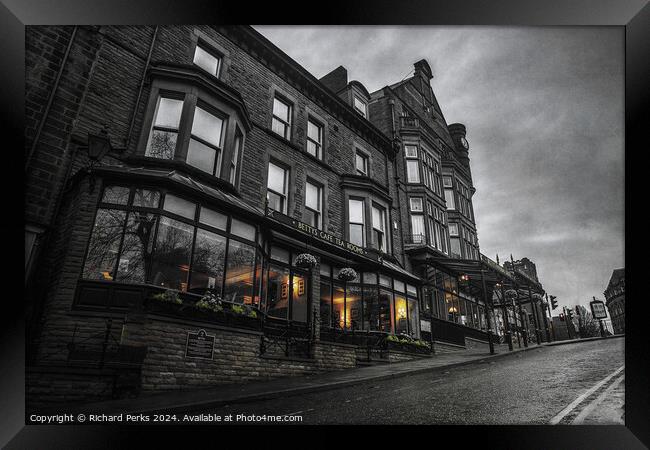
[50, 99]
[137, 101]
[391, 102]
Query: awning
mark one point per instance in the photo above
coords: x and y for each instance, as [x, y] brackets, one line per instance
[400, 271]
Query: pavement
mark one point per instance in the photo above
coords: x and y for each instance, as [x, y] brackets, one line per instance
[206, 399]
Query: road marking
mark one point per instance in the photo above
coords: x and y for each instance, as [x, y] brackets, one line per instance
[555, 420]
[591, 406]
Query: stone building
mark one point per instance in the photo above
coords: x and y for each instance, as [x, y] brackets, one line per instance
[615, 300]
[195, 202]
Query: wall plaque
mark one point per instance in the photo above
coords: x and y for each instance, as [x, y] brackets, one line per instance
[199, 345]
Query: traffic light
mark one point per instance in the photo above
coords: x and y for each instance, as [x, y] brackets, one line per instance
[569, 314]
[577, 310]
[562, 317]
[553, 302]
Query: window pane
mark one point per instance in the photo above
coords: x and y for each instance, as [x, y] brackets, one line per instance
[385, 281]
[279, 127]
[446, 181]
[360, 106]
[325, 270]
[369, 278]
[386, 320]
[278, 296]
[411, 289]
[312, 196]
[453, 229]
[207, 126]
[161, 144]
[280, 254]
[146, 198]
[168, 112]
[104, 245]
[201, 156]
[213, 218]
[299, 299]
[312, 149]
[338, 303]
[281, 110]
[378, 218]
[242, 229]
[356, 211]
[356, 234]
[179, 206]
[239, 273]
[314, 131]
[208, 263]
[414, 329]
[206, 61]
[371, 311]
[399, 285]
[353, 319]
[412, 173]
[325, 304]
[416, 204]
[417, 228]
[411, 151]
[449, 199]
[170, 265]
[361, 163]
[455, 246]
[401, 320]
[135, 259]
[277, 178]
[118, 195]
[276, 202]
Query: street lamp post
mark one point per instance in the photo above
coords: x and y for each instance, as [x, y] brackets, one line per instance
[534, 310]
[487, 314]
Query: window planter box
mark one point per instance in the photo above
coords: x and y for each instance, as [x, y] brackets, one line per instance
[188, 311]
[409, 348]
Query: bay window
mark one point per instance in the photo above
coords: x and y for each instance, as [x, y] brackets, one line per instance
[418, 234]
[277, 187]
[165, 240]
[449, 192]
[234, 161]
[412, 164]
[204, 150]
[356, 220]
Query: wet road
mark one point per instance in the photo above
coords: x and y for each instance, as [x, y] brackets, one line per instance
[533, 387]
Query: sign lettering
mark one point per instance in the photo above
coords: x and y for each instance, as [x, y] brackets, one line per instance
[199, 345]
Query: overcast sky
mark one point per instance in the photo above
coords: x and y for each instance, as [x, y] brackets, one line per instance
[543, 109]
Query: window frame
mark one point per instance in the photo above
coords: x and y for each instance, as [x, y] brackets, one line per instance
[364, 112]
[286, 182]
[318, 213]
[290, 111]
[321, 131]
[366, 159]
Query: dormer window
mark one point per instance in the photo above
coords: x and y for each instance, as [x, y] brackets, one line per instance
[207, 60]
[360, 107]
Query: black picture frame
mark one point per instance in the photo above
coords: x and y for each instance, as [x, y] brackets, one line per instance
[633, 15]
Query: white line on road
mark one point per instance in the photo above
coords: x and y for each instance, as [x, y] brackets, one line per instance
[555, 420]
[591, 406]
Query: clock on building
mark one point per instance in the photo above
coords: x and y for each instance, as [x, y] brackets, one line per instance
[464, 143]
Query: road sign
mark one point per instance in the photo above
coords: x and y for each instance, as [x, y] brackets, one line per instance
[598, 309]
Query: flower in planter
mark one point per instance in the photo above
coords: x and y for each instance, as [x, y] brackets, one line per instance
[210, 302]
[392, 338]
[168, 296]
[347, 274]
[305, 261]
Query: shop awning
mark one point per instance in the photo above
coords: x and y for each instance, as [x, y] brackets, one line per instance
[400, 271]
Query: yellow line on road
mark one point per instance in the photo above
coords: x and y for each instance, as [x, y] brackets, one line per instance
[591, 406]
[562, 414]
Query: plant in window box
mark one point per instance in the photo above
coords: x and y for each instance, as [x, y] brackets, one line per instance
[305, 261]
[348, 274]
[168, 296]
[209, 302]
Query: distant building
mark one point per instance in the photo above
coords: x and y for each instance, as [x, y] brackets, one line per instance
[525, 265]
[615, 300]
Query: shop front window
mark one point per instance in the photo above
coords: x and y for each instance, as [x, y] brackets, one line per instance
[353, 307]
[325, 304]
[192, 251]
[338, 306]
[299, 298]
[412, 306]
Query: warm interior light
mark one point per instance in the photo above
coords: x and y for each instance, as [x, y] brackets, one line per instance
[107, 276]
